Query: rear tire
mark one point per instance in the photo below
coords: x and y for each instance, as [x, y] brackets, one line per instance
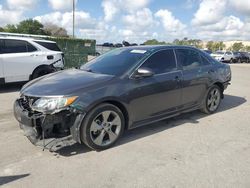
[102, 127]
[212, 100]
[41, 71]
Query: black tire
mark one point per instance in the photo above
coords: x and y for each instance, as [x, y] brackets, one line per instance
[206, 106]
[85, 130]
[231, 61]
[41, 71]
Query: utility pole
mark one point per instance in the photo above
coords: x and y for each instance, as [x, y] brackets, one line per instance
[74, 18]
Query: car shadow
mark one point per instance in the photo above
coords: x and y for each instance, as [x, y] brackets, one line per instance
[8, 179]
[12, 87]
[228, 103]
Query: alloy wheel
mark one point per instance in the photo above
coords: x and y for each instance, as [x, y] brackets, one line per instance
[213, 100]
[105, 128]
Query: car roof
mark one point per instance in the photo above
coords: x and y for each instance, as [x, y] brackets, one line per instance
[25, 39]
[157, 47]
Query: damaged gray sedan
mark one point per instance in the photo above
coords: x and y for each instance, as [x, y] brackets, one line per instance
[123, 89]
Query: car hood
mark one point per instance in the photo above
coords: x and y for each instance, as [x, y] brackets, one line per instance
[63, 83]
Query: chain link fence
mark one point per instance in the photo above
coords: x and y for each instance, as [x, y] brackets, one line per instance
[76, 51]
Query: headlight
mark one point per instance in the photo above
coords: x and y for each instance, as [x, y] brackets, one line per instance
[48, 105]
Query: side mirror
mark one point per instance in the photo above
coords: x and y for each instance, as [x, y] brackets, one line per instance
[143, 72]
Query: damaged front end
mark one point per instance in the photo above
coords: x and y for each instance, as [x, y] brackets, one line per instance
[44, 121]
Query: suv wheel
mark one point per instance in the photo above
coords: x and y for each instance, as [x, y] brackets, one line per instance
[102, 127]
[41, 71]
[212, 100]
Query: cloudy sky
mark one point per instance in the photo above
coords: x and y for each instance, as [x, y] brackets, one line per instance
[138, 20]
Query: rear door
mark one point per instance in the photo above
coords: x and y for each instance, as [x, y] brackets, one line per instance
[160, 94]
[195, 79]
[20, 58]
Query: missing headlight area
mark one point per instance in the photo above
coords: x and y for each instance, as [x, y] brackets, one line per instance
[42, 128]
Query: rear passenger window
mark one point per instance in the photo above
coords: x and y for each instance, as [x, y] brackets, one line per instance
[31, 48]
[189, 59]
[161, 62]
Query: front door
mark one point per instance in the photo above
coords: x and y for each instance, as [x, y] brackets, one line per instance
[159, 94]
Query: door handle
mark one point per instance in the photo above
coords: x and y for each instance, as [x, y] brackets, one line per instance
[177, 78]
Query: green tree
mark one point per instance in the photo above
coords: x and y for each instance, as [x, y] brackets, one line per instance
[219, 46]
[247, 48]
[2, 29]
[153, 42]
[237, 46]
[31, 26]
[214, 46]
[210, 45]
[10, 28]
[189, 42]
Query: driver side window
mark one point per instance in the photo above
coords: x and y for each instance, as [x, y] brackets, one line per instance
[161, 62]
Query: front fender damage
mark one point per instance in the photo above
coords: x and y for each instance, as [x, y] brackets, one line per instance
[50, 131]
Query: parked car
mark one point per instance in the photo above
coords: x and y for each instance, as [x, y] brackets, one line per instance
[237, 57]
[222, 56]
[24, 59]
[122, 89]
[106, 44]
[243, 57]
[118, 45]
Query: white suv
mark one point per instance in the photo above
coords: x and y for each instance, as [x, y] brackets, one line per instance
[23, 59]
[224, 56]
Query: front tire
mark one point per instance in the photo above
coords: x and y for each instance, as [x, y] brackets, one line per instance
[212, 100]
[102, 127]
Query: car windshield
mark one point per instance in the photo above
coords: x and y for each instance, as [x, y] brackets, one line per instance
[116, 62]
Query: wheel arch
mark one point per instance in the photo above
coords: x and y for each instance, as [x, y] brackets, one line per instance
[37, 68]
[116, 103]
[221, 86]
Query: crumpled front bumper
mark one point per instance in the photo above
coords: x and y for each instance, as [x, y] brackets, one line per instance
[45, 130]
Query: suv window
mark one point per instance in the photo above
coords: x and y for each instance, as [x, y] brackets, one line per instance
[30, 48]
[49, 45]
[1, 45]
[228, 53]
[17, 46]
[161, 62]
[14, 46]
[188, 58]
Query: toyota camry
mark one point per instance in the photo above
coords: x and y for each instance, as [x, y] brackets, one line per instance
[120, 90]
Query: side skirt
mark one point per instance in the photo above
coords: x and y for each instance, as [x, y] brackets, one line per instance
[154, 120]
